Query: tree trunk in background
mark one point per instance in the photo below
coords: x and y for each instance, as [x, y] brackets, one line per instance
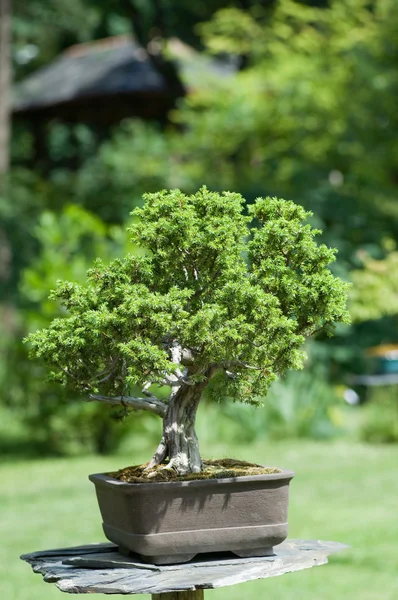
[5, 83]
[152, 41]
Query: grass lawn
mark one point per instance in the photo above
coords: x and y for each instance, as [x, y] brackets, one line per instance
[343, 491]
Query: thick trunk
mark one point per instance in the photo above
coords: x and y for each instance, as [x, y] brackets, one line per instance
[179, 430]
[179, 441]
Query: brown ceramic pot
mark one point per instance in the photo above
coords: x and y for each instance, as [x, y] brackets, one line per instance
[172, 522]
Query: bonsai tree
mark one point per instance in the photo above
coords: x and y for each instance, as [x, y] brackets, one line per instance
[213, 294]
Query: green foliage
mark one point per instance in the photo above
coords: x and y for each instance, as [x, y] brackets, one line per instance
[311, 117]
[43, 28]
[375, 290]
[57, 421]
[379, 420]
[304, 406]
[21, 201]
[68, 243]
[135, 160]
[193, 281]
[301, 405]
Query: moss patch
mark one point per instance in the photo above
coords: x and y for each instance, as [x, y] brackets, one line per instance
[212, 469]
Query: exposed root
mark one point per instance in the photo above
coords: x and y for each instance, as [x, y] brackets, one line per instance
[159, 456]
[212, 469]
[180, 464]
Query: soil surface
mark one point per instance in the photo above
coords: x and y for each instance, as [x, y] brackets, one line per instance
[212, 469]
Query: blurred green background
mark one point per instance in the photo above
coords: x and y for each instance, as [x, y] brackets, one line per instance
[102, 101]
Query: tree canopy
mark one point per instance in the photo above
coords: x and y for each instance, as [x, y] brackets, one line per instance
[236, 292]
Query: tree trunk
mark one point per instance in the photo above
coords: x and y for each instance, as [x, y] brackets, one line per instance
[146, 37]
[179, 441]
[5, 79]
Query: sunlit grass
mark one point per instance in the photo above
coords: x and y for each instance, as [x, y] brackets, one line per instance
[342, 491]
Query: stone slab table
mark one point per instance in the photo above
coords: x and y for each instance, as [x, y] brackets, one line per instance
[100, 569]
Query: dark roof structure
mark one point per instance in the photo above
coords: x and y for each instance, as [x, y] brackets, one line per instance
[107, 80]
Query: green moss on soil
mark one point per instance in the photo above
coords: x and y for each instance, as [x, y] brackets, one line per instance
[212, 469]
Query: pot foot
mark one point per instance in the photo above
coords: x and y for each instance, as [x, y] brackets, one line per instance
[256, 552]
[124, 551]
[167, 559]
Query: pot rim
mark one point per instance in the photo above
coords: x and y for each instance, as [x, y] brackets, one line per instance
[104, 479]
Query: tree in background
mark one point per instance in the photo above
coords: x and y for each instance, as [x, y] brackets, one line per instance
[56, 421]
[375, 290]
[311, 117]
[287, 123]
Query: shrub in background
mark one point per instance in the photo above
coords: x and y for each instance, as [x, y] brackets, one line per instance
[380, 417]
[301, 405]
[52, 419]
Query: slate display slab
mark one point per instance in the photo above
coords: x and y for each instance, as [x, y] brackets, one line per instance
[100, 569]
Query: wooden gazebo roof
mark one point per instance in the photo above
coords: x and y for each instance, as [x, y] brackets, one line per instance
[107, 80]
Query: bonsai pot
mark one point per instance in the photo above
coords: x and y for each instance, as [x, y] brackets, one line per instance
[171, 522]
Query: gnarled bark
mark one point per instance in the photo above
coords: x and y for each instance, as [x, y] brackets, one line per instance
[179, 441]
[149, 403]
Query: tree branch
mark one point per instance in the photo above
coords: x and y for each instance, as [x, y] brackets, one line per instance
[239, 363]
[174, 381]
[151, 404]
